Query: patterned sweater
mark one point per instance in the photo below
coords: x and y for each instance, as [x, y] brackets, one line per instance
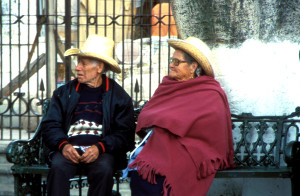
[86, 128]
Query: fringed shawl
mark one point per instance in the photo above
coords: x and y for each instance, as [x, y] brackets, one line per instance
[192, 136]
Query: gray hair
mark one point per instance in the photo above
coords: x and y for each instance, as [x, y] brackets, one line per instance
[95, 62]
[190, 60]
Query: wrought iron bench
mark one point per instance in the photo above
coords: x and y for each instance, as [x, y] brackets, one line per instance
[265, 147]
[30, 165]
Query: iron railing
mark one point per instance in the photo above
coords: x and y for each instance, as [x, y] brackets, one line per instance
[35, 33]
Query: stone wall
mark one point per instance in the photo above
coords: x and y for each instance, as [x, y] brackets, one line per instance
[261, 78]
[255, 49]
[234, 21]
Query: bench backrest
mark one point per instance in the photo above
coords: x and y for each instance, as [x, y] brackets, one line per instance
[259, 141]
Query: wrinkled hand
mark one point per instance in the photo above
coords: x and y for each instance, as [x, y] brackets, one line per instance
[90, 155]
[69, 152]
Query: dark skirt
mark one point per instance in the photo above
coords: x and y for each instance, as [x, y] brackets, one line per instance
[141, 187]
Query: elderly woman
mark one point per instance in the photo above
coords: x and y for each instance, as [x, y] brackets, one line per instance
[189, 125]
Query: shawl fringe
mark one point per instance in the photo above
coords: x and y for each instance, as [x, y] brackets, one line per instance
[211, 166]
[145, 170]
[149, 173]
[204, 169]
[167, 190]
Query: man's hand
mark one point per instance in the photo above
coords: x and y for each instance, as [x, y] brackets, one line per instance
[69, 152]
[90, 155]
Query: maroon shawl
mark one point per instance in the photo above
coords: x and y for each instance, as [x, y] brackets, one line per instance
[192, 136]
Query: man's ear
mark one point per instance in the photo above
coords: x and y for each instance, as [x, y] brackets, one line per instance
[101, 67]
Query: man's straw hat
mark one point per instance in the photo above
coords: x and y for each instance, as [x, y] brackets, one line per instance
[196, 49]
[97, 47]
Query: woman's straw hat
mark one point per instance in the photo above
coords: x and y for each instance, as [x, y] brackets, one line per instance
[97, 47]
[196, 49]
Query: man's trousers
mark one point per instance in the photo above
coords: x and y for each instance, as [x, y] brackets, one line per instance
[99, 174]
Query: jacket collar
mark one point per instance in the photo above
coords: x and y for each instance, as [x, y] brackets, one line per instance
[105, 84]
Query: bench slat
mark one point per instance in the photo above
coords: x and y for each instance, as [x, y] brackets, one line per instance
[284, 172]
[39, 169]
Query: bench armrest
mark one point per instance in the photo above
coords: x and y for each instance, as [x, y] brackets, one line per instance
[29, 152]
[26, 152]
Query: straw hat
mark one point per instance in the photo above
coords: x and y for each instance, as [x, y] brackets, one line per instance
[97, 47]
[197, 49]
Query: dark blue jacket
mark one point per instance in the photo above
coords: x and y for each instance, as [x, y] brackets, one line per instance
[118, 118]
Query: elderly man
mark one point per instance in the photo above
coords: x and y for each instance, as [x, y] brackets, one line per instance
[90, 123]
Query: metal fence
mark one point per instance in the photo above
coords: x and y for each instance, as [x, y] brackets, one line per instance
[35, 33]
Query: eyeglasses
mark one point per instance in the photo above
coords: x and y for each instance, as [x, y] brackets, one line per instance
[176, 62]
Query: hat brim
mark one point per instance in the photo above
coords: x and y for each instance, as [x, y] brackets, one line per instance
[195, 53]
[112, 63]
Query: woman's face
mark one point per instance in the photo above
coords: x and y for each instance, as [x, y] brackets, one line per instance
[183, 71]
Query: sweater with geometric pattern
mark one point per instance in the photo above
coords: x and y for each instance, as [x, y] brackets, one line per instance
[86, 124]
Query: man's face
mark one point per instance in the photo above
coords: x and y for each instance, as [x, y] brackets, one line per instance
[89, 71]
